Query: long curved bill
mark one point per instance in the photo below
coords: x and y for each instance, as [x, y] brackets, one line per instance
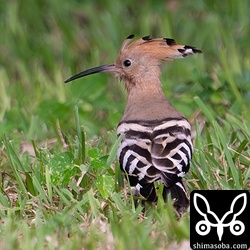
[103, 68]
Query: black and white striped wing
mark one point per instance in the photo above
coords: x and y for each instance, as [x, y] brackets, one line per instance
[171, 150]
[134, 155]
[150, 152]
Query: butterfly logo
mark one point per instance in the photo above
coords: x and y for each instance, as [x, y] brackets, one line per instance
[210, 219]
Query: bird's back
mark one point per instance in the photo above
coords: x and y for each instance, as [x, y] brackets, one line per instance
[156, 151]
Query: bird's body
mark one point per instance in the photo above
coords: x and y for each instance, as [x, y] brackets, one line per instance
[156, 144]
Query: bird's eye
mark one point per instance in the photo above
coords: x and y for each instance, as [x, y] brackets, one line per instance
[127, 63]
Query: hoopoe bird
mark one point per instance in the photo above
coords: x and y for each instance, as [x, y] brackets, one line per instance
[156, 143]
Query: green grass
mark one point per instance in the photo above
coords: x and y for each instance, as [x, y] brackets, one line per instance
[60, 184]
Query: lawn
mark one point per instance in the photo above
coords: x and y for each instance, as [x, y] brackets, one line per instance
[60, 183]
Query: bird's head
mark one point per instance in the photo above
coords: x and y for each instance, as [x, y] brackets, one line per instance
[142, 59]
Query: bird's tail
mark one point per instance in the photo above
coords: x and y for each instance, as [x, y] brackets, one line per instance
[179, 195]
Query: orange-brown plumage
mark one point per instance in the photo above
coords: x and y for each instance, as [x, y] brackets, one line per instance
[163, 49]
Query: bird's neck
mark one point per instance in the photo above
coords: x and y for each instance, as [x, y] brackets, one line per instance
[146, 101]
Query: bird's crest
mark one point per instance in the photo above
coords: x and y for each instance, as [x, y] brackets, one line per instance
[164, 49]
